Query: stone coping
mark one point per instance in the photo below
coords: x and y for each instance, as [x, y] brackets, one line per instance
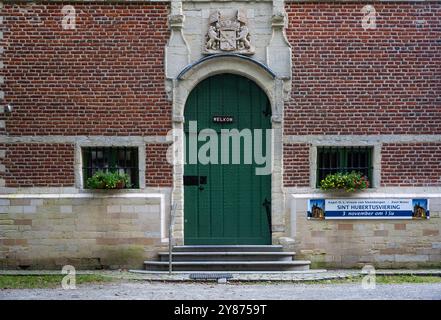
[81, 195]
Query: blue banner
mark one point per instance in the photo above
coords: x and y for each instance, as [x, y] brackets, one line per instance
[321, 209]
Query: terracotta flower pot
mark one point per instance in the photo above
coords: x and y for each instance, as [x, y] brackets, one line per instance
[120, 185]
[102, 185]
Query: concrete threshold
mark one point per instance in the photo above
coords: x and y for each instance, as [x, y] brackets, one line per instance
[234, 272]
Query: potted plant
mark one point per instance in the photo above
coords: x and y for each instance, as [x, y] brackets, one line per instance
[348, 182]
[108, 180]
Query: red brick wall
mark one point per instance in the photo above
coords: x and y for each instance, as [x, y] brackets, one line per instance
[413, 164]
[39, 165]
[296, 165]
[350, 81]
[159, 173]
[105, 77]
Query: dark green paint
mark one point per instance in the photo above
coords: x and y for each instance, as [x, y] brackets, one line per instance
[229, 208]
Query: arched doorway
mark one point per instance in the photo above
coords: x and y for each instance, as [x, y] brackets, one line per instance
[227, 201]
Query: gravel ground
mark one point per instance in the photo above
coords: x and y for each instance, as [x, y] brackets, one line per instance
[202, 291]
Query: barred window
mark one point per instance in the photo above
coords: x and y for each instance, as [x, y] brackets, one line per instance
[113, 159]
[344, 159]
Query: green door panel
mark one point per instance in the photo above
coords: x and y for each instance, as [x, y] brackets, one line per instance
[229, 207]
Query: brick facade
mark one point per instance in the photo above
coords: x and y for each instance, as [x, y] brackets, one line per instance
[158, 170]
[402, 165]
[296, 165]
[347, 80]
[414, 164]
[103, 78]
[106, 80]
[39, 165]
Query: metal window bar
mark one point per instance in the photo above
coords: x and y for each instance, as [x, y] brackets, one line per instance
[331, 160]
[107, 159]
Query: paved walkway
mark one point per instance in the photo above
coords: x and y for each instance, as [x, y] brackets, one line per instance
[243, 285]
[291, 276]
[214, 291]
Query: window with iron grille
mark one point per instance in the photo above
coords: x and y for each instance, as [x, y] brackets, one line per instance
[344, 159]
[113, 159]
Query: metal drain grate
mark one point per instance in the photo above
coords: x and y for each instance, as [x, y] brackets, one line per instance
[210, 276]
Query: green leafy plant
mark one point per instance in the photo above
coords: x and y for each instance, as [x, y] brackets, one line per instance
[344, 181]
[108, 180]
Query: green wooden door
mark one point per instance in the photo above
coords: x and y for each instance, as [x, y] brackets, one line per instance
[226, 203]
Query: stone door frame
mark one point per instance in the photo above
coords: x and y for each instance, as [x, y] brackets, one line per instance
[274, 88]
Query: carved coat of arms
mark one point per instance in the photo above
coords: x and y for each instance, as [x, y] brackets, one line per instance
[228, 35]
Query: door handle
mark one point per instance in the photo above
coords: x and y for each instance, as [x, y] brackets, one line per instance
[202, 181]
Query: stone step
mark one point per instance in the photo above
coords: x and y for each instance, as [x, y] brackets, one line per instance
[228, 256]
[228, 248]
[297, 265]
